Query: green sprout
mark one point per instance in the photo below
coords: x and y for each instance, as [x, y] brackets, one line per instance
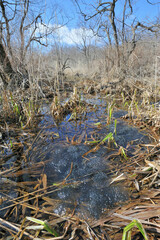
[43, 225]
[16, 109]
[11, 143]
[110, 110]
[123, 153]
[136, 105]
[108, 137]
[128, 229]
[98, 124]
[115, 127]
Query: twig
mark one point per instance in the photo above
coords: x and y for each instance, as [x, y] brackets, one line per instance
[90, 231]
[10, 227]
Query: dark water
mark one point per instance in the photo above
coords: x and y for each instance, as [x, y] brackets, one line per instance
[89, 190]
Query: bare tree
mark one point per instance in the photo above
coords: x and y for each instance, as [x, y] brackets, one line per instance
[120, 30]
[85, 42]
[19, 23]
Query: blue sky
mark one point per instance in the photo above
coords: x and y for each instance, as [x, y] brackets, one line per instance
[71, 32]
[141, 7]
[144, 9]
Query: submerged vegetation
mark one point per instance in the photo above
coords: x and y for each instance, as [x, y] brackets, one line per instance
[138, 169]
[79, 123]
[133, 164]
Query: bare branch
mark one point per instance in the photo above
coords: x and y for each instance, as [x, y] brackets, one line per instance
[7, 27]
[21, 29]
[130, 5]
[153, 3]
[153, 28]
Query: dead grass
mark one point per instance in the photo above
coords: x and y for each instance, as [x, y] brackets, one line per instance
[142, 175]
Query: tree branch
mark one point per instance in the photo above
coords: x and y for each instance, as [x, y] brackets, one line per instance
[153, 3]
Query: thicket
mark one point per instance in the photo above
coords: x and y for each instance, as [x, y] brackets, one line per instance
[125, 49]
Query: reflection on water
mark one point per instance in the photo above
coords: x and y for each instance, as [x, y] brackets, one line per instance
[88, 190]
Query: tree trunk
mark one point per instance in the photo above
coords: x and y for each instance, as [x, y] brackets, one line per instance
[6, 70]
[8, 75]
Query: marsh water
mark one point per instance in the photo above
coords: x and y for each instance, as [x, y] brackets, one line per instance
[88, 171]
[89, 191]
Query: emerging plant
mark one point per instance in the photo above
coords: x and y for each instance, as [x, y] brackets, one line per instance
[122, 153]
[11, 143]
[136, 105]
[128, 230]
[115, 127]
[73, 116]
[42, 225]
[110, 111]
[108, 137]
[29, 110]
[11, 107]
[125, 103]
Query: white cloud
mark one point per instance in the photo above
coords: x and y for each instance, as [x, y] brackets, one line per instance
[75, 35]
[68, 36]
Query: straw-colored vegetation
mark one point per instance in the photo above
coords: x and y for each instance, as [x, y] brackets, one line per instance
[140, 172]
[121, 68]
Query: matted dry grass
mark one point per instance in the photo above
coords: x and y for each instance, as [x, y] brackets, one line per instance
[140, 173]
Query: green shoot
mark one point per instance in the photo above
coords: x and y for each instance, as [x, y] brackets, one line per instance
[16, 109]
[92, 142]
[29, 108]
[115, 127]
[110, 114]
[11, 143]
[127, 230]
[108, 137]
[45, 225]
[136, 105]
[21, 124]
[110, 111]
[97, 124]
[73, 116]
[123, 153]
[126, 104]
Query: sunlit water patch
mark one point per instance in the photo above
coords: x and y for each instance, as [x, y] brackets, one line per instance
[61, 146]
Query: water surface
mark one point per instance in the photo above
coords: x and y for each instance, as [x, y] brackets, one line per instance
[60, 145]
